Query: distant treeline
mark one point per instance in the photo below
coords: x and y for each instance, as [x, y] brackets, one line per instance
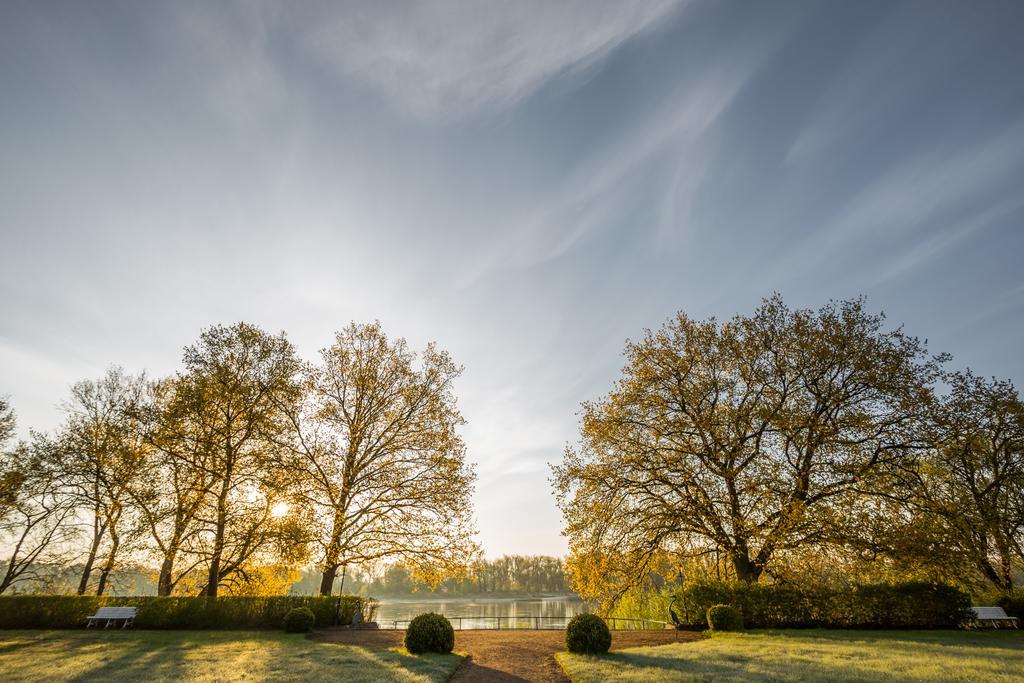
[506, 574]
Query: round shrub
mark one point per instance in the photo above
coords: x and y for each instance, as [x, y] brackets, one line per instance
[724, 618]
[588, 634]
[429, 632]
[299, 620]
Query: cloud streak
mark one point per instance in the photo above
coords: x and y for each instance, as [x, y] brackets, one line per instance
[456, 58]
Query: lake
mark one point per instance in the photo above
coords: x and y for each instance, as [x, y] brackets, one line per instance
[484, 612]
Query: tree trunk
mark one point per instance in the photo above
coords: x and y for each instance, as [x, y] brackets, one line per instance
[213, 579]
[108, 565]
[83, 584]
[995, 576]
[1005, 563]
[164, 583]
[8, 577]
[332, 557]
[102, 586]
[327, 582]
[746, 570]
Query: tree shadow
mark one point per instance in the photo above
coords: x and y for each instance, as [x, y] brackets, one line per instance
[808, 664]
[995, 639]
[141, 660]
[11, 647]
[471, 671]
[393, 660]
[736, 669]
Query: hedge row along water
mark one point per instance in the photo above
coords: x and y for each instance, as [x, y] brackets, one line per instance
[904, 605]
[71, 611]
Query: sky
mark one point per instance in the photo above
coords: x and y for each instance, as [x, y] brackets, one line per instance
[527, 183]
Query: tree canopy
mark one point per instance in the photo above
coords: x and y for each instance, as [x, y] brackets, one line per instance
[242, 467]
[753, 440]
[378, 458]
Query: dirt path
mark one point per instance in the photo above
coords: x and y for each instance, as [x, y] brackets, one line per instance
[518, 655]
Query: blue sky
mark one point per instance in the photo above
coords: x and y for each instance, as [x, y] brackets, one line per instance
[527, 183]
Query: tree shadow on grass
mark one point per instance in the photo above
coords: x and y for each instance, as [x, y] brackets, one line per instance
[471, 671]
[810, 656]
[141, 660]
[394, 663]
[1002, 639]
[8, 647]
[737, 668]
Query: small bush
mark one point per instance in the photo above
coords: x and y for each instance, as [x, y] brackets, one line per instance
[429, 633]
[588, 634]
[299, 620]
[724, 618]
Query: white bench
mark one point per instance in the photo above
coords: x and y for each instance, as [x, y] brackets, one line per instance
[112, 615]
[993, 616]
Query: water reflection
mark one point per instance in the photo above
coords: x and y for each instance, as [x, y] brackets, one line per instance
[467, 613]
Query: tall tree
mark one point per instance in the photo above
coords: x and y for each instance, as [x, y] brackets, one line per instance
[379, 459]
[973, 481]
[100, 450]
[34, 508]
[171, 497]
[746, 438]
[238, 386]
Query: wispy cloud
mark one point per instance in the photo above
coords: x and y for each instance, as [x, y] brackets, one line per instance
[915, 193]
[678, 134]
[940, 241]
[457, 58]
[926, 185]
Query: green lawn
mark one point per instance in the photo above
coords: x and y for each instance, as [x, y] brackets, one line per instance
[205, 656]
[815, 656]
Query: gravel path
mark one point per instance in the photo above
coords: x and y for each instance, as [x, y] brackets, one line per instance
[512, 655]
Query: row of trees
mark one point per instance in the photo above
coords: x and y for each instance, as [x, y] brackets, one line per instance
[792, 444]
[506, 574]
[247, 464]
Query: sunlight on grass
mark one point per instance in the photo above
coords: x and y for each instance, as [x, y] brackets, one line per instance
[814, 656]
[213, 656]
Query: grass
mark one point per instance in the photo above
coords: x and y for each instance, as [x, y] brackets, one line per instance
[814, 656]
[206, 656]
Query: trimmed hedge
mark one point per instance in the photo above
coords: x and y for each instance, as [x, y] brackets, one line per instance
[587, 634]
[889, 606]
[71, 611]
[724, 618]
[1013, 607]
[430, 632]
